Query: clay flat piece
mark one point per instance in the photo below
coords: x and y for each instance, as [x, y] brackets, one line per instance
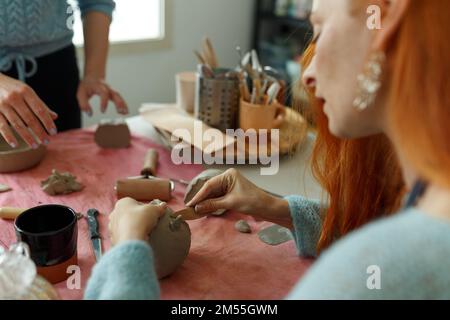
[275, 235]
[197, 183]
[61, 183]
[113, 134]
[171, 242]
[20, 158]
[243, 227]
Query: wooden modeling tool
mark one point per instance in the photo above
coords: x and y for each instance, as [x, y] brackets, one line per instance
[188, 214]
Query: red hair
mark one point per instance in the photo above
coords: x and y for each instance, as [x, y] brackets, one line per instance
[362, 177]
[419, 104]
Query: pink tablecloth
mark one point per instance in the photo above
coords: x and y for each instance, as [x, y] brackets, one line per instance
[222, 264]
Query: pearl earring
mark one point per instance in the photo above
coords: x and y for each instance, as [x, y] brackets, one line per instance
[369, 82]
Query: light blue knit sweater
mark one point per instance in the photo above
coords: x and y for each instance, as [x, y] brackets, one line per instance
[34, 28]
[406, 256]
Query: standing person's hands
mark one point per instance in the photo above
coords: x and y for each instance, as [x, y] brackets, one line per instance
[22, 109]
[91, 86]
[232, 191]
[132, 220]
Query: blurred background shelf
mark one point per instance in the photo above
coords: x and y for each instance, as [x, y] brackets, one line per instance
[280, 35]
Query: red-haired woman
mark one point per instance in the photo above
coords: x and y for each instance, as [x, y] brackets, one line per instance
[385, 96]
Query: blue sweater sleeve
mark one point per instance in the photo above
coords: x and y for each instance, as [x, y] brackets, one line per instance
[403, 257]
[105, 6]
[126, 272]
[307, 219]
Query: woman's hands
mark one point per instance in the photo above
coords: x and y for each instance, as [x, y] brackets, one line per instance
[91, 86]
[232, 191]
[132, 220]
[22, 109]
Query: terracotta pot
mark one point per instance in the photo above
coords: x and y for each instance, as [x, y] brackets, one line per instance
[260, 116]
[20, 158]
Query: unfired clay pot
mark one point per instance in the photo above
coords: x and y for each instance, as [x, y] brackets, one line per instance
[197, 183]
[170, 241]
[20, 158]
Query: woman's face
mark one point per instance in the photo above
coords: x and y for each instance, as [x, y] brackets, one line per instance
[343, 44]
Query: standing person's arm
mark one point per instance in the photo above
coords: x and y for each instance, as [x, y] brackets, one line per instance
[97, 15]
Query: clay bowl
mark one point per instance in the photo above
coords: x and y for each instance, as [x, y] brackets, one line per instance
[20, 158]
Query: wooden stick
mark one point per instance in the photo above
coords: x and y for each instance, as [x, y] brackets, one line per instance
[10, 213]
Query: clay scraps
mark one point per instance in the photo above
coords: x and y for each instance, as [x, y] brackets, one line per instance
[243, 227]
[61, 183]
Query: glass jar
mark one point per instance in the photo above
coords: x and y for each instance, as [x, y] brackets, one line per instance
[18, 276]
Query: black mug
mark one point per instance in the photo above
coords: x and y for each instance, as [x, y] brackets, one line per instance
[51, 233]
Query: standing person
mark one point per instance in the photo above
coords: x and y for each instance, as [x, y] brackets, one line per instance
[40, 85]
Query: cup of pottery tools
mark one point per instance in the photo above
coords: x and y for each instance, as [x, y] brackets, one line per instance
[217, 99]
[185, 88]
[261, 116]
[51, 233]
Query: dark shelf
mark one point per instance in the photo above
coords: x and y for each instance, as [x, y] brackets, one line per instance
[287, 20]
[279, 39]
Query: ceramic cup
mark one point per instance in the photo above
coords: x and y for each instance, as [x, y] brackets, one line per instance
[186, 84]
[261, 116]
[51, 233]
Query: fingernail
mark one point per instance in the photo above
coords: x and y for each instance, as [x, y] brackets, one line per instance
[53, 131]
[13, 145]
[34, 146]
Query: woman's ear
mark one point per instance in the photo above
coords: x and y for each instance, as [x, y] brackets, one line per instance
[392, 13]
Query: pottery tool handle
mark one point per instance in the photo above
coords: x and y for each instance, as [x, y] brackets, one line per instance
[209, 53]
[9, 213]
[150, 163]
[188, 214]
[144, 189]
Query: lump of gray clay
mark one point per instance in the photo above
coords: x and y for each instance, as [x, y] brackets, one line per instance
[61, 183]
[171, 242]
[113, 134]
[243, 226]
[197, 183]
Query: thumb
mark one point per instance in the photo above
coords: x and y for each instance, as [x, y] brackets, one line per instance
[211, 205]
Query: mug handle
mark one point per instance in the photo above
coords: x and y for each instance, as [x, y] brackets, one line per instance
[280, 114]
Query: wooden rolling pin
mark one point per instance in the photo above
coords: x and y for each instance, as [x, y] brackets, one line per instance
[10, 213]
[144, 189]
[150, 163]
